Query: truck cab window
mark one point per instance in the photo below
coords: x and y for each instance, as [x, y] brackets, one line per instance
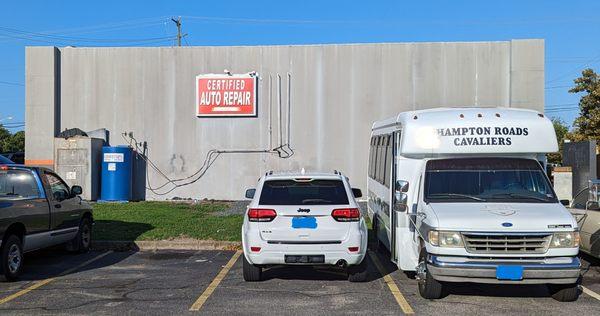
[60, 190]
[18, 184]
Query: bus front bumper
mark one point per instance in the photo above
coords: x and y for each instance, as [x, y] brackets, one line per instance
[562, 270]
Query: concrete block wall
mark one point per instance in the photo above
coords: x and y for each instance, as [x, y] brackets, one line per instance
[337, 92]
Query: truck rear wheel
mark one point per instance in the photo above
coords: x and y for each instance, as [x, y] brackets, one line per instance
[564, 292]
[429, 287]
[252, 273]
[12, 258]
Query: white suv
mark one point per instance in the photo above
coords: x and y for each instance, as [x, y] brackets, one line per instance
[304, 219]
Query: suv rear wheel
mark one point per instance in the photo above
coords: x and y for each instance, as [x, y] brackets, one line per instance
[252, 273]
[12, 258]
[358, 273]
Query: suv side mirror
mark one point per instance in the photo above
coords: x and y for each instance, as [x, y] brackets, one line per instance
[356, 192]
[401, 186]
[564, 202]
[250, 193]
[76, 190]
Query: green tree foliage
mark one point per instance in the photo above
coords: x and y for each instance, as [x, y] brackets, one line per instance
[11, 142]
[587, 125]
[561, 130]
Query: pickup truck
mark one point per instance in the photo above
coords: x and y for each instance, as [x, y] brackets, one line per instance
[39, 210]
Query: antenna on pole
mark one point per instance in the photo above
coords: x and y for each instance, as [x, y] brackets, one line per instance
[179, 35]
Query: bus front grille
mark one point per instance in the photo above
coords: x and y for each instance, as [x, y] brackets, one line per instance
[482, 243]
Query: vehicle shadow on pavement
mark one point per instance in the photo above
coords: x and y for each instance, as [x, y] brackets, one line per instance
[319, 273]
[119, 230]
[54, 262]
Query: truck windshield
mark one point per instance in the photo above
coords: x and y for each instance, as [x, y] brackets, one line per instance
[18, 184]
[315, 192]
[487, 180]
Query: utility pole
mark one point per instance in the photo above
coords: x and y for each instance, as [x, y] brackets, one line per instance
[179, 35]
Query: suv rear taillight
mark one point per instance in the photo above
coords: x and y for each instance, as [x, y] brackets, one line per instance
[261, 215]
[346, 214]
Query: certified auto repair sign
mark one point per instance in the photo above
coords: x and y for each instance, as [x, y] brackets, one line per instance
[226, 95]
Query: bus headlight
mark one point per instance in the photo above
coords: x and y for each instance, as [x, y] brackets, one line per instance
[565, 240]
[445, 239]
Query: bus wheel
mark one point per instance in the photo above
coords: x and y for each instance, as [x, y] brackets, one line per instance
[429, 287]
[375, 246]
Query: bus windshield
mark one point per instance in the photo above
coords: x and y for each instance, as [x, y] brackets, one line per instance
[487, 180]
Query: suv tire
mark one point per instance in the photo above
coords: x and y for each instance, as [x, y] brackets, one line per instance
[252, 273]
[358, 273]
[12, 258]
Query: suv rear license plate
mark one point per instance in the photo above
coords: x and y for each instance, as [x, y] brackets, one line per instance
[304, 259]
[513, 273]
[304, 222]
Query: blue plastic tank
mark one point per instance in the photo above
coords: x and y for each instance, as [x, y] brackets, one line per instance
[116, 174]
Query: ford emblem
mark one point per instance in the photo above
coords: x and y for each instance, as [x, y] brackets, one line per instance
[507, 224]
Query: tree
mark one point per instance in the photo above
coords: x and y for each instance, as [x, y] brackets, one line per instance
[11, 142]
[561, 130]
[16, 142]
[587, 125]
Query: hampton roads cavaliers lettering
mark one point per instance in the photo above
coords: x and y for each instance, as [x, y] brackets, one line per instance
[483, 136]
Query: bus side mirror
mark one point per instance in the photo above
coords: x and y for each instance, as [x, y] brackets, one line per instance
[400, 203]
[564, 202]
[250, 193]
[356, 192]
[401, 186]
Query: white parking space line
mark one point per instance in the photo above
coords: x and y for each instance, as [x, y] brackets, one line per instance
[46, 281]
[590, 292]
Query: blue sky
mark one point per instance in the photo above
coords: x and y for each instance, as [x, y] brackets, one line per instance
[570, 28]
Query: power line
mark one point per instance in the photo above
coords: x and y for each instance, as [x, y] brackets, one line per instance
[28, 34]
[12, 83]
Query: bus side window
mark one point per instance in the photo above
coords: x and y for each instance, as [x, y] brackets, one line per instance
[371, 157]
[388, 161]
[380, 159]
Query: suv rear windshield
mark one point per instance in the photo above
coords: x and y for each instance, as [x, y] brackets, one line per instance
[487, 180]
[18, 184]
[314, 192]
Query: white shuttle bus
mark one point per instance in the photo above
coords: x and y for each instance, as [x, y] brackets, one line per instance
[461, 195]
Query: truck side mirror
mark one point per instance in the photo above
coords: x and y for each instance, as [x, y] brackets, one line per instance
[250, 193]
[356, 192]
[401, 186]
[564, 202]
[76, 190]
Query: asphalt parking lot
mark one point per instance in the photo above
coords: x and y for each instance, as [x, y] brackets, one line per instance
[181, 282]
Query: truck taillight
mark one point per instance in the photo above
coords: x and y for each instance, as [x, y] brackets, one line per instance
[261, 215]
[346, 214]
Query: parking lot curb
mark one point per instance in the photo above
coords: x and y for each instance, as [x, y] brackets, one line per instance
[150, 245]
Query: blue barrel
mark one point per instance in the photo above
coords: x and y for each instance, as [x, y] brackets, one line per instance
[116, 173]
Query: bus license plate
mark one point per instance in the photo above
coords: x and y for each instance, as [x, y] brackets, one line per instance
[513, 273]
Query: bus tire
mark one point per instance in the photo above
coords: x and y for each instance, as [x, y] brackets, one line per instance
[564, 292]
[376, 246]
[429, 288]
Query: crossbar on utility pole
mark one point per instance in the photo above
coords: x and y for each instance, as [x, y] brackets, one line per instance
[179, 35]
